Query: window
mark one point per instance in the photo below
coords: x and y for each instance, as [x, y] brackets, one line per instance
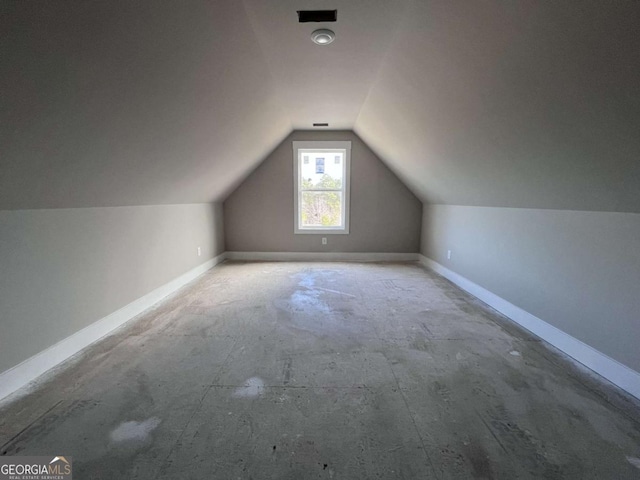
[321, 202]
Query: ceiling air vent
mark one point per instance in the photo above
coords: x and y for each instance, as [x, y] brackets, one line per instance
[305, 16]
[320, 124]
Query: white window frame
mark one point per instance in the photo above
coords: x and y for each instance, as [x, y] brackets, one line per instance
[329, 147]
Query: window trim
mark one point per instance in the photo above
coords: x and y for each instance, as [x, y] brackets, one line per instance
[297, 158]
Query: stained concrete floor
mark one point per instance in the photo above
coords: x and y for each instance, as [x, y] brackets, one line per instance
[332, 370]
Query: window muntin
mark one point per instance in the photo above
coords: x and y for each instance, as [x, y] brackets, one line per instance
[321, 173]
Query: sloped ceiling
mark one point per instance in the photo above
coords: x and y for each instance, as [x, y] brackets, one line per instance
[491, 103]
[327, 84]
[120, 102]
[512, 103]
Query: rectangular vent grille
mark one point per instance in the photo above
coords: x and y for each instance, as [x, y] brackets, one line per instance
[305, 16]
[320, 124]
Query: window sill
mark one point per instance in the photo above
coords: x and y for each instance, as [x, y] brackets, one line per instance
[298, 231]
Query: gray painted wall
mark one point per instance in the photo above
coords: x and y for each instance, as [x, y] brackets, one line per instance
[578, 271]
[385, 215]
[65, 269]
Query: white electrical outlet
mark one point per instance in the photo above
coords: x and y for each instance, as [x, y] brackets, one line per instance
[448, 254]
[324, 240]
[199, 251]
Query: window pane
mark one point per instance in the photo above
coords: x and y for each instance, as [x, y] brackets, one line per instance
[318, 174]
[321, 209]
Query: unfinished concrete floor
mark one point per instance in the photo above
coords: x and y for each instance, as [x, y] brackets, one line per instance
[332, 370]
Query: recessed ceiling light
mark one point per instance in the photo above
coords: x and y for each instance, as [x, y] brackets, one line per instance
[323, 36]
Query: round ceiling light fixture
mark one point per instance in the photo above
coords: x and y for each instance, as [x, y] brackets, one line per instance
[323, 36]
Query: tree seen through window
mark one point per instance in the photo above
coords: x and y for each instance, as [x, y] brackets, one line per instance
[320, 205]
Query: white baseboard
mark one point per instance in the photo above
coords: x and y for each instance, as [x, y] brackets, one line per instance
[614, 371]
[27, 371]
[322, 256]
